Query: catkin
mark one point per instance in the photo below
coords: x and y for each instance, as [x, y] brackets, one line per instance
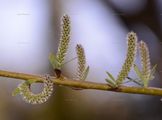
[130, 57]
[39, 98]
[64, 40]
[145, 60]
[81, 61]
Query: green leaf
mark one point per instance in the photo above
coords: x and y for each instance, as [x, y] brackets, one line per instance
[135, 81]
[111, 82]
[145, 83]
[16, 91]
[138, 72]
[110, 75]
[69, 60]
[53, 60]
[30, 81]
[85, 74]
[153, 72]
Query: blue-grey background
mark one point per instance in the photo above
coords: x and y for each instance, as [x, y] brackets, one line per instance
[30, 30]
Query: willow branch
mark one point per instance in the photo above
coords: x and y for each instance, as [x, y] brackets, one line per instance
[85, 84]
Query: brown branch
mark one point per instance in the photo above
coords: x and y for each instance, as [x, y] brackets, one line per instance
[85, 84]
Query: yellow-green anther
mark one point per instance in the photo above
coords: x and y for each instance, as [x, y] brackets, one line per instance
[145, 62]
[81, 61]
[130, 57]
[64, 40]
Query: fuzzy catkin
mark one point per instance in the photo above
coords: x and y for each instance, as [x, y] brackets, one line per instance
[64, 40]
[39, 98]
[81, 61]
[130, 57]
[145, 60]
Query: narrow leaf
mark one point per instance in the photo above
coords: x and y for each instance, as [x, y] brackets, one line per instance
[153, 72]
[30, 81]
[110, 75]
[16, 91]
[111, 82]
[85, 74]
[70, 60]
[138, 72]
[135, 81]
[53, 60]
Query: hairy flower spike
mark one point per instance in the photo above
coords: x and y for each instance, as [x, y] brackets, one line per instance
[147, 73]
[145, 59]
[64, 40]
[39, 98]
[131, 53]
[81, 61]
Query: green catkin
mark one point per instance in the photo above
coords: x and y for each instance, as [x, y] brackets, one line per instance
[39, 98]
[145, 62]
[64, 40]
[130, 57]
[81, 61]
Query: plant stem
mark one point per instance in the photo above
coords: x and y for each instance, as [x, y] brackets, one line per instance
[85, 84]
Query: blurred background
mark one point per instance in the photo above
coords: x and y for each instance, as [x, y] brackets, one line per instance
[30, 30]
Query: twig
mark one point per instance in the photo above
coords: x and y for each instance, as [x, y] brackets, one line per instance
[85, 85]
